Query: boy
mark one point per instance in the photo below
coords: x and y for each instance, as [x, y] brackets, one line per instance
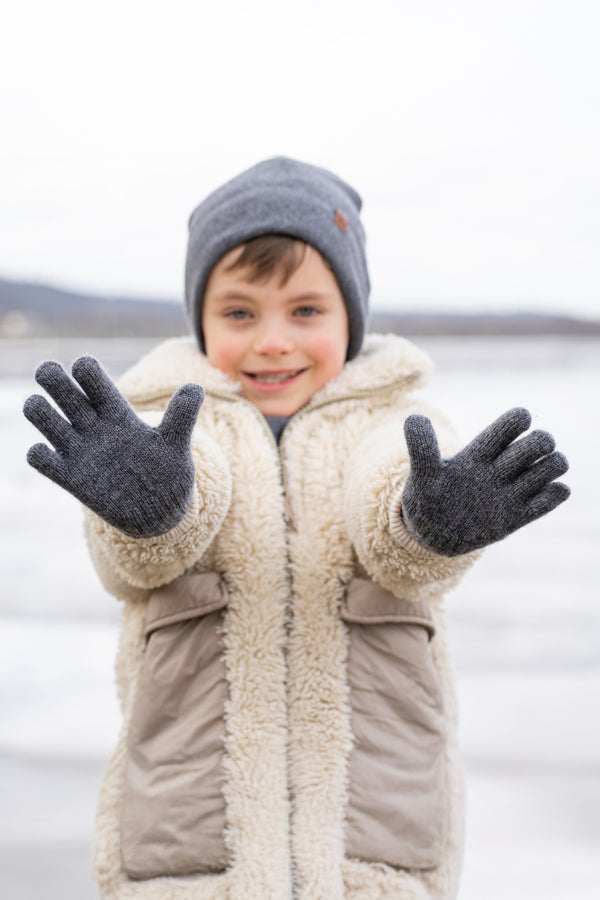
[289, 718]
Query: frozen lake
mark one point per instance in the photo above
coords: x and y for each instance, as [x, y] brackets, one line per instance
[524, 625]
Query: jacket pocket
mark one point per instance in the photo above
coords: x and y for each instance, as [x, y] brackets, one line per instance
[397, 788]
[173, 813]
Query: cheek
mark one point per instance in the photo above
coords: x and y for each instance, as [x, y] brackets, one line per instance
[329, 350]
[222, 354]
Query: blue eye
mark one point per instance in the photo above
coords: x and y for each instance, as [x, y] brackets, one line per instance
[237, 314]
[306, 311]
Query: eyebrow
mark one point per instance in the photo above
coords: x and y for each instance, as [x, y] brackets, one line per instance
[231, 295]
[236, 295]
[312, 295]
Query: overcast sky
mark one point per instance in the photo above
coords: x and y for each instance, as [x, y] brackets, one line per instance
[470, 128]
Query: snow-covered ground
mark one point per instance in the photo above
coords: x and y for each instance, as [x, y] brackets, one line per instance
[524, 625]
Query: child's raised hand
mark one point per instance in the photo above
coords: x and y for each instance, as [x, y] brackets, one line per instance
[138, 478]
[493, 486]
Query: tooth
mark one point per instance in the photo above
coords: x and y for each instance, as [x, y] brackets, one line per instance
[275, 379]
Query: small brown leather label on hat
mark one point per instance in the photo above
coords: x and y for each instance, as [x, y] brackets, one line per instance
[340, 220]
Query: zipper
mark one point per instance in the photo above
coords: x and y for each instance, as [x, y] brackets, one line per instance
[287, 518]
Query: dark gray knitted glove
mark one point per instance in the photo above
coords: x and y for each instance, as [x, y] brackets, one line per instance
[137, 478]
[488, 490]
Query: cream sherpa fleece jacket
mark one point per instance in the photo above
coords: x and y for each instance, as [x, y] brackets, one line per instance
[284, 533]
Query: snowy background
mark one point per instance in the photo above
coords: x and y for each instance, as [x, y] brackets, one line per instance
[524, 625]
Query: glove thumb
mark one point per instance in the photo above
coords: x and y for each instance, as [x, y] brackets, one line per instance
[423, 447]
[180, 415]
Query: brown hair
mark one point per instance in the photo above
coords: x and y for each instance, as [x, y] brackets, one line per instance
[270, 253]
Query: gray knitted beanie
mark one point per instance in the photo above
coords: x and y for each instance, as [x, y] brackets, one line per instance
[282, 196]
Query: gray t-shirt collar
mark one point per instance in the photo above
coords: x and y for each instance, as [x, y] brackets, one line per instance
[277, 424]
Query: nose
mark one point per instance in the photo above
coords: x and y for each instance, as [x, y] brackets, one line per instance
[273, 338]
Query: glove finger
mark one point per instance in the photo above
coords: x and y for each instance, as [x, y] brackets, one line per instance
[423, 447]
[104, 395]
[542, 473]
[75, 405]
[494, 439]
[48, 421]
[523, 453]
[50, 464]
[546, 500]
[180, 415]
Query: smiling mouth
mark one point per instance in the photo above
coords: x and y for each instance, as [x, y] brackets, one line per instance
[273, 377]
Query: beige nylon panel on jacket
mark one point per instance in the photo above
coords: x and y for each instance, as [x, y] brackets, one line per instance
[173, 814]
[396, 810]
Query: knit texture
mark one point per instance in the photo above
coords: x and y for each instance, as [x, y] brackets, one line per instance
[488, 490]
[282, 196]
[137, 478]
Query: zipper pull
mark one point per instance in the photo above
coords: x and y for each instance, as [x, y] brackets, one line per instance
[288, 517]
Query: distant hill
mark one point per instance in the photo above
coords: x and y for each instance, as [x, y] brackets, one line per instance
[38, 310]
[477, 324]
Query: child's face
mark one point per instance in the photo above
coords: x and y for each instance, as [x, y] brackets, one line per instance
[282, 343]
